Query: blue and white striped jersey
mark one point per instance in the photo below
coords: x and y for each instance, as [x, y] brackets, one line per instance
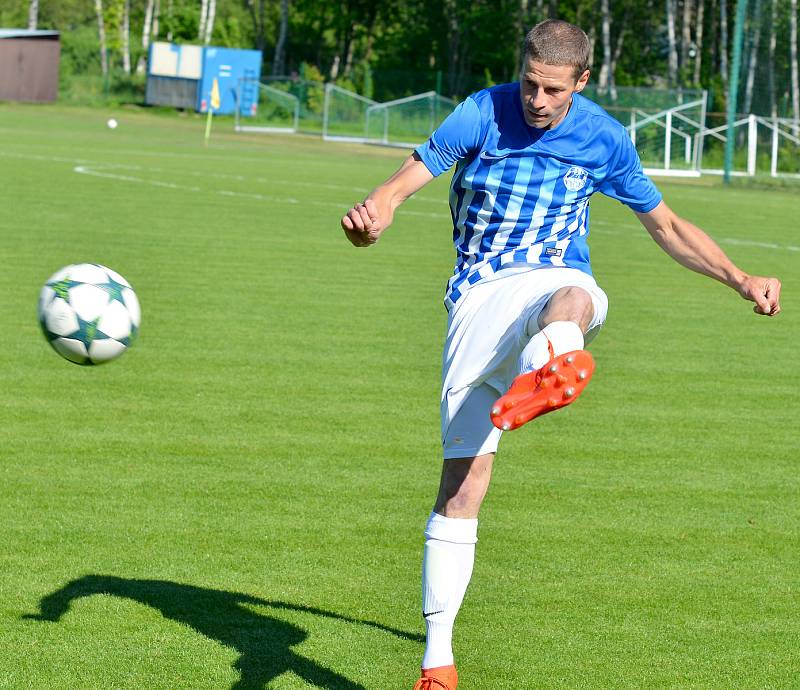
[519, 195]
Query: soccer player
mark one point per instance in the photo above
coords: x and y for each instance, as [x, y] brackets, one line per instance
[522, 302]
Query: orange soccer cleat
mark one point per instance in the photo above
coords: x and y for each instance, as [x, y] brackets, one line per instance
[438, 678]
[557, 383]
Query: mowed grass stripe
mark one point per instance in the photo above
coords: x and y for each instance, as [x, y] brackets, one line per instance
[274, 433]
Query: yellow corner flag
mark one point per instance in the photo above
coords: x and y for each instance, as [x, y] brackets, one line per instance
[213, 105]
[215, 94]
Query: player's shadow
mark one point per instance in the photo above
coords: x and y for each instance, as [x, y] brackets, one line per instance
[264, 643]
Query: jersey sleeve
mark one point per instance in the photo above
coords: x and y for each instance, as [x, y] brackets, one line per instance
[456, 138]
[627, 182]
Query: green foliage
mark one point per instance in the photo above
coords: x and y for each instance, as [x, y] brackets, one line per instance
[80, 55]
[313, 92]
[14, 16]
[459, 46]
[181, 21]
[229, 31]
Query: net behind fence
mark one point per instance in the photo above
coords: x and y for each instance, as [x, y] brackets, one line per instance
[263, 108]
[672, 130]
[310, 96]
[345, 115]
[407, 121]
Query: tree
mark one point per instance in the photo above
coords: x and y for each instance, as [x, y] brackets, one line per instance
[209, 27]
[257, 14]
[146, 29]
[755, 33]
[773, 105]
[673, 49]
[793, 61]
[686, 38]
[125, 36]
[280, 44]
[605, 81]
[101, 30]
[723, 45]
[698, 42]
[33, 14]
[201, 29]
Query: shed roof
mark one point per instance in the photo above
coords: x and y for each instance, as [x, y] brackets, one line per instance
[27, 33]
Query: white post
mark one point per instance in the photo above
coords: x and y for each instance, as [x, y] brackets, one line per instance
[633, 127]
[328, 88]
[752, 143]
[773, 168]
[668, 141]
[701, 141]
[386, 125]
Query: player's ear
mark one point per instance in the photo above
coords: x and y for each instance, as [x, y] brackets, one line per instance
[582, 81]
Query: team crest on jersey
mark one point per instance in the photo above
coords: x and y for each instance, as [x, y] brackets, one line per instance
[575, 178]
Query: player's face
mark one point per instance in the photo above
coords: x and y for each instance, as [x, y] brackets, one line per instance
[546, 92]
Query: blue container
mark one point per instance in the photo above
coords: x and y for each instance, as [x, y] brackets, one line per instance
[229, 66]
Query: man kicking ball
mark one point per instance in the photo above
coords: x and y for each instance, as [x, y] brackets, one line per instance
[522, 302]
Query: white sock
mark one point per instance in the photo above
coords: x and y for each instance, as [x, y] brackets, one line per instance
[564, 336]
[446, 570]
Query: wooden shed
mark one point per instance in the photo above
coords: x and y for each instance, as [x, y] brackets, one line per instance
[29, 65]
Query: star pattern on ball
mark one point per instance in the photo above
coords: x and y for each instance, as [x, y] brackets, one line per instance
[88, 332]
[62, 287]
[114, 289]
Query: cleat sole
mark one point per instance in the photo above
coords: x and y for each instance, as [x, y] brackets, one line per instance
[531, 394]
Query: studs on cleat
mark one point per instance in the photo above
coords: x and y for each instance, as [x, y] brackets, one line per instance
[553, 368]
[506, 426]
[570, 359]
[496, 410]
[569, 392]
[582, 376]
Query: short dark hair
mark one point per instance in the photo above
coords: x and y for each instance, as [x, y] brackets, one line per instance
[556, 42]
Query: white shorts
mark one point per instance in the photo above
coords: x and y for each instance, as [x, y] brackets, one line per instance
[486, 332]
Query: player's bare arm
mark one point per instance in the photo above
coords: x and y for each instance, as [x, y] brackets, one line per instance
[691, 247]
[365, 222]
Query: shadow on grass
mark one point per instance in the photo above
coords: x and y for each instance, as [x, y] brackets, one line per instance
[264, 643]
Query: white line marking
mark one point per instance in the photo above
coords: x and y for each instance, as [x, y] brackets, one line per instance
[95, 172]
[85, 170]
[439, 201]
[641, 232]
[86, 167]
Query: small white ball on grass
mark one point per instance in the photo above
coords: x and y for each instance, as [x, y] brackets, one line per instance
[112, 123]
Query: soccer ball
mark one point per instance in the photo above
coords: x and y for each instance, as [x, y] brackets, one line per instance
[89, 313]
[112, 123]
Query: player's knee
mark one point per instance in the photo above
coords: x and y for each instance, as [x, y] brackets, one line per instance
[568, 304]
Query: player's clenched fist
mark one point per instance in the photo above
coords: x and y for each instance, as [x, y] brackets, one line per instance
[765, 292]
[362, 224]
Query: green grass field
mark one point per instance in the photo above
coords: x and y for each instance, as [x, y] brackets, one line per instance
[239, 501]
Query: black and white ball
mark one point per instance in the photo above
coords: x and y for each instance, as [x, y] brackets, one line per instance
[89, 313]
